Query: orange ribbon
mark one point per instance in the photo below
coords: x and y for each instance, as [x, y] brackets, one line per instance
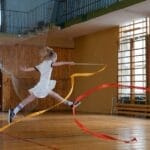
[68, 95]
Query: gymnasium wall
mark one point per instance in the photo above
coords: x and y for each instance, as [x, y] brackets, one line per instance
[100, 47]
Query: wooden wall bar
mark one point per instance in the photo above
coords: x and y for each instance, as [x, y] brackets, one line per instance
[27, 55]
[147, 65]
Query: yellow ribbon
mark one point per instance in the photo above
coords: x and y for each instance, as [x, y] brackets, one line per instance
[68, 95]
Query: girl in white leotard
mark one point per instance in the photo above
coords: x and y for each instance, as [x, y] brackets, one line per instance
[42, 88]
[45, 86]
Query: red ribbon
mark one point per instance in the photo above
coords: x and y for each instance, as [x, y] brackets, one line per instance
[91, 91]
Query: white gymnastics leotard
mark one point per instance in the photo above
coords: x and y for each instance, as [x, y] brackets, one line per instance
[45, 85]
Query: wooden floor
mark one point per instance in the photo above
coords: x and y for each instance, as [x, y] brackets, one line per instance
[59, 132]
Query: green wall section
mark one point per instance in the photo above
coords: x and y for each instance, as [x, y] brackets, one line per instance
[116, 6]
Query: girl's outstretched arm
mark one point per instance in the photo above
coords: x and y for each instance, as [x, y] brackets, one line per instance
[24, 68]
[61, 63]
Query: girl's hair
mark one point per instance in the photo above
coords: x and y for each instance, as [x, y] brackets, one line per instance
[49, 53]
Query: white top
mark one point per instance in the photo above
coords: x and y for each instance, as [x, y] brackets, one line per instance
[43, 87]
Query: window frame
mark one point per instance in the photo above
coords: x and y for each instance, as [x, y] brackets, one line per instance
[130, 34]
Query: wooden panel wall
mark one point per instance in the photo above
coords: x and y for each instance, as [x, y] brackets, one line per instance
[27, 55]
[0, 91]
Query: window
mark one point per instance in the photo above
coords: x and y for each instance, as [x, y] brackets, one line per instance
[132, 60]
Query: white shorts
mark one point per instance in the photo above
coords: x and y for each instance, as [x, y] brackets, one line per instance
[41, 90]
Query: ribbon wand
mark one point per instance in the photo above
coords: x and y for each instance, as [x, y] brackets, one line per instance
[89, 64]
